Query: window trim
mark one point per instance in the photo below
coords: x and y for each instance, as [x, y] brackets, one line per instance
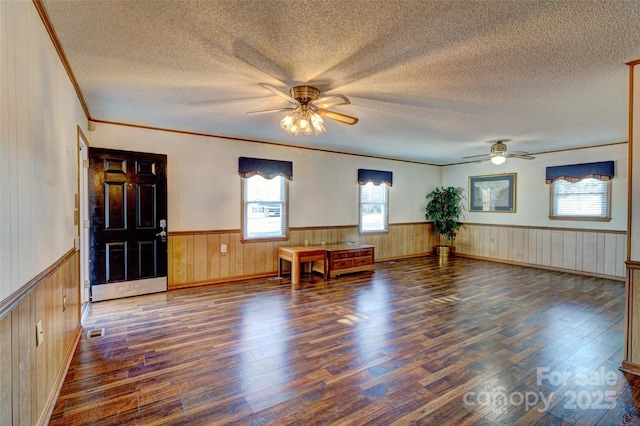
[607, 218]
[386, 216]
[284, 237]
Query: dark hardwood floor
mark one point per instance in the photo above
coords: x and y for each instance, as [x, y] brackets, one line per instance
[416, 342]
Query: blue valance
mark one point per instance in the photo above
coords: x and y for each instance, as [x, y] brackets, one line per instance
[268, 169]
[376, 176]
[603, 170]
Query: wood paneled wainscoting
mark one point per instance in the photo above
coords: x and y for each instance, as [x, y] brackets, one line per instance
[631, 361]
[195, 257]
[31, 374]
[585, 251]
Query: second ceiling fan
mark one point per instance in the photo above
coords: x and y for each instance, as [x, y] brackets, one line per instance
[307, 109]
[499, 154]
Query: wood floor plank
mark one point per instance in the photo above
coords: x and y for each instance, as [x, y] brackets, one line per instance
[418, 341]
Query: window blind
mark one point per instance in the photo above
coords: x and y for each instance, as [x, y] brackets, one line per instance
[374, 207]
[264, 207]
[587, 198]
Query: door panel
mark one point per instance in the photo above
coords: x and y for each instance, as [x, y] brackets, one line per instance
[128, 204]
[147, 255]
[115, 214]
[116, 261]
[146, 206]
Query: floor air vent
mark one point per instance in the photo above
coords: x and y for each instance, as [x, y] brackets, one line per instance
[92, 334]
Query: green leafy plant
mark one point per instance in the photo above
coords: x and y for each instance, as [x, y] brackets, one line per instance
[444, 208]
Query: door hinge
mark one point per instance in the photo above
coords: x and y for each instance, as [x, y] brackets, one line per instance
[85, 163]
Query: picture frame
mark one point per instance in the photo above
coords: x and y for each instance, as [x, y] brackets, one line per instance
[493, 193]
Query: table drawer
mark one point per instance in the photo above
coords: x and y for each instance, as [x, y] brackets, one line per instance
[343, 254]
[364, 252]
[358, 261]
[341, 264]
[311, 255]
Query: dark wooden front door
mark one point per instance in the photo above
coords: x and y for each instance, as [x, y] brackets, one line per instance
[128, 219]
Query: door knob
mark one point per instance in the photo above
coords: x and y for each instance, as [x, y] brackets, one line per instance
[162, 234]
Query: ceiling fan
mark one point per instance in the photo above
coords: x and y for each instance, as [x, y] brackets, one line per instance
[499, 154]
[307, 109]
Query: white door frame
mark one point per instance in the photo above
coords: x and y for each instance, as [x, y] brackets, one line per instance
[83, 225]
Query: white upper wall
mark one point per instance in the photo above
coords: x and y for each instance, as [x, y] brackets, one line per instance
[204, 185]
[39, 115]
[533, 194]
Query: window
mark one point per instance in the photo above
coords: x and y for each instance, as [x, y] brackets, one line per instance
[374, 207]
[264, 207]
[374, 200]
[581, 191]
[586, 199]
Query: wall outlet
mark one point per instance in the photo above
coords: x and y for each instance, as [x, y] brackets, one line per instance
[39, 333]
[223, 249]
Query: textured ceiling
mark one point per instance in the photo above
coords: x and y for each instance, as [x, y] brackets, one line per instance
[430, 81]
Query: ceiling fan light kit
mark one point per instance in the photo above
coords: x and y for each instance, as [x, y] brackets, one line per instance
[498, 159]
[308, 109]
[302, 121]
[303, 118]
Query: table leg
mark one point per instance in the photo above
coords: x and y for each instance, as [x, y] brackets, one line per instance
[279, 267]
[295, 270]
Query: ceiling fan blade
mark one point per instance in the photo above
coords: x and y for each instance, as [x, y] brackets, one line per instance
[523, 156]
[267, 111]
[279, 92]
[330, 101]
[343, 118]
[478, 156]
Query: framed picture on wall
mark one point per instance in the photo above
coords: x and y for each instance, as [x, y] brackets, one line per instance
[492, 193]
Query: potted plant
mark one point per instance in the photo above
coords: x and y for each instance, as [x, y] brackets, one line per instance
[444, 208]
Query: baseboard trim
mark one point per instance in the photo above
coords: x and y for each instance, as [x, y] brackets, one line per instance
[84, 311]
[49, 405]
[548, 268]
[631, 368]
[409, 256]
[224, 280]
[269, 274]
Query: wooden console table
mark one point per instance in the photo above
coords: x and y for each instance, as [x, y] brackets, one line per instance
[330, 260]
[347, 258]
